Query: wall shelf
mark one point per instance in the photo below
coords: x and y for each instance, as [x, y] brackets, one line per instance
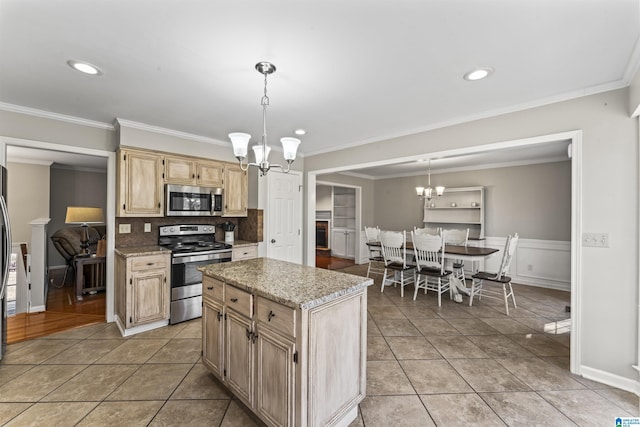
[439, 213]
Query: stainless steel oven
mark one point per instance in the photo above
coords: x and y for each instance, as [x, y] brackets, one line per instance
[191, 246]
[187, 200]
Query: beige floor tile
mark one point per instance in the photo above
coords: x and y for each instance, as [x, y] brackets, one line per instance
[458, 347]
[499, 346]
[237, 416]
[93, 384]
[378, 349]
[623, 399]
[151, 382]
[133, 351]
[540, 375]
[200, 384]
[37, 382]
[525, 409]
[84, 352]
[460, 409]
[508, 326]
[418, 312]
[190, 412]
[453, 312]
[540, 345]
[584, 407]
[412, 348]
[110, 332]
[130, 414]
[433, 327]
[487, 375]
[397, 328]
[37, 351]
[372, 329]
[384, 411]
[434, 376]
[9, 372]
[192, 329]
[385, 312]
[535, 323]
[169, 331]
[179, 350]
[53, 414]
[387, 378]
[472, 327]
[11, 410]
[79, 333]
[484, 312]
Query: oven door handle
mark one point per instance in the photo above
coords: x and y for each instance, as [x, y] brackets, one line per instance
[183, 259]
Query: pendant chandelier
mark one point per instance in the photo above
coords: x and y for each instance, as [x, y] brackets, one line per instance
[261, 151]
[427, 193]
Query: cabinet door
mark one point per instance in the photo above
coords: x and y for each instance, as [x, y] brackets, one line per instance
[212, 336]
[351, 244]
[239, 356]
[149, 297]
[210, 174]
[178, 170]
[338, 242]
[140, 186]
[235, 191]
[275, 376]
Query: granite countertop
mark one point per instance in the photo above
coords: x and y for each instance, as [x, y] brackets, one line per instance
[240, 243]
[293, 285]
[141, 251]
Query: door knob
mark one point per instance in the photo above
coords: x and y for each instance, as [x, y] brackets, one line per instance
[273, 240]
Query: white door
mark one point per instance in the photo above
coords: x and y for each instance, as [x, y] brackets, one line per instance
[284, 216]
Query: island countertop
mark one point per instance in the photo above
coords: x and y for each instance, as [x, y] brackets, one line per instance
[294, 285]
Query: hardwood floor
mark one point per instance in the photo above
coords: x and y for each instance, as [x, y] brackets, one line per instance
[63, 312]
[332, 263]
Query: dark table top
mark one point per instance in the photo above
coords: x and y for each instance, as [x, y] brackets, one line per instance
[456, 249]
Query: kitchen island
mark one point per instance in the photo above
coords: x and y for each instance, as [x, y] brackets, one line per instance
[288, 340]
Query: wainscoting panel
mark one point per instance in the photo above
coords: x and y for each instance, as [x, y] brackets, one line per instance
[543, 263]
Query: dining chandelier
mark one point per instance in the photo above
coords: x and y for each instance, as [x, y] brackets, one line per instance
[261, 151]
[427, 193]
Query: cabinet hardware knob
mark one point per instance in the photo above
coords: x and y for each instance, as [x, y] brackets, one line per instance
[149, 263]
[234, 299]
[273, 240]
[249, 335]
[210, 287]
[270, 315]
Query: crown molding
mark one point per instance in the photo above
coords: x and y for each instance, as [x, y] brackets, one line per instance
[24, 160]
[54, 116]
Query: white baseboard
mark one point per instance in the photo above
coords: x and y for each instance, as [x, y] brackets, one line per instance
[37, 308]
[632, 386]
[138, 329]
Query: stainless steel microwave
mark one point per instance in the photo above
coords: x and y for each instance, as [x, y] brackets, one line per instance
[186, 200]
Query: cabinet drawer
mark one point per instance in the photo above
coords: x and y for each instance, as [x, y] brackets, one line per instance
[277, 316]
[245, 252]
[239, 300]
[213, 288]
[150, 262]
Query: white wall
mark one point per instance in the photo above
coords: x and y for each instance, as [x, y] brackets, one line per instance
[608, 307]
[323, 198]
[27, 197]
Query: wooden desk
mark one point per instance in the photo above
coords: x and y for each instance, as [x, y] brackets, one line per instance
[97, 275]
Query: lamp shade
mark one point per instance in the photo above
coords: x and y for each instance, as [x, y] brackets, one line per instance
[84, 215]
[257, 150]
[240, 142]
[290, 147]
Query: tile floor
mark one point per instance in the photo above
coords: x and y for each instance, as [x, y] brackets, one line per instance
[427, 366]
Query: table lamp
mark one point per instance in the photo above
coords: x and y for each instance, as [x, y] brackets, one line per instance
[84, 216]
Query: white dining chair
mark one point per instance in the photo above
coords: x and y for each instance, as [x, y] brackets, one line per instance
[430, 272]
[494, 285]
[376, 261]
[459, 238]
[427, 230]
[394, 252]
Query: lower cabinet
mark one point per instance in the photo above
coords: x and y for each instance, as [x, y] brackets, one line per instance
[343, 243]
[142, 290]
[254, 351]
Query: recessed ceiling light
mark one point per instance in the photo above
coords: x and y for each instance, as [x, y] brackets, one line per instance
[478, 73]
[85, 67]
[300, 131]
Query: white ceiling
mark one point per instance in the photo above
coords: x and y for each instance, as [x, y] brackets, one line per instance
[349, 72]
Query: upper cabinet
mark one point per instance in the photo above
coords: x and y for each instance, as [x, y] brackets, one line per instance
[139, 183]
[189, 171]
[235, 191]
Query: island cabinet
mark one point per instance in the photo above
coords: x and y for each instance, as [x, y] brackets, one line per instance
[288, 340]
[142, 294]
[140, 190]
[190, 171]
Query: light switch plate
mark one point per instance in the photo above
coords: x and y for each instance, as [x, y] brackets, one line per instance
[124, 228]
[596, 240]
[147, 227]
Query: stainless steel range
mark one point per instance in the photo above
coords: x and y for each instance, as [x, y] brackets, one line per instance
[191, 246]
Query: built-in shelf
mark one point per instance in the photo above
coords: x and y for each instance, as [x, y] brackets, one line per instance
[468, 212]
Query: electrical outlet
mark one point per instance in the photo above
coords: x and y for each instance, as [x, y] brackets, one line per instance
[147, 227]
[124, 228]
[596, 240]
